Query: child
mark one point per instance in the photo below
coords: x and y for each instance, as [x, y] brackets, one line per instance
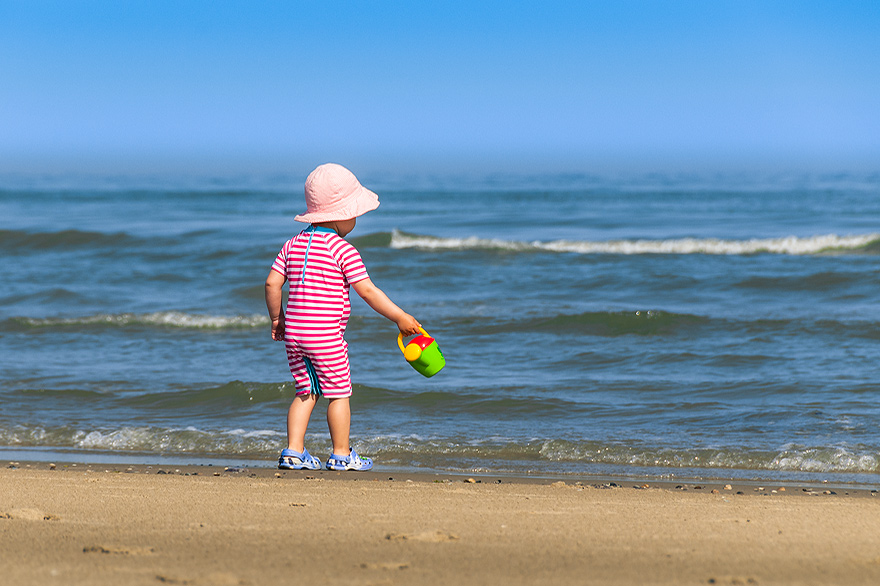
[319, 266]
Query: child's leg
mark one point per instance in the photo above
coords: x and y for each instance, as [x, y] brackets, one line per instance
[298, 420]
[339, 421]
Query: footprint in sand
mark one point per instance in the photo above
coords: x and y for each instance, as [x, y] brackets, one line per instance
[428, 536]
[29, 515]
[119, 550]
[733, 581]
[215, 579]
[170, 580]
[386, 566]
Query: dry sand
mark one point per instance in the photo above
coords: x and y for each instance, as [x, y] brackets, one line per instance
[108, 525]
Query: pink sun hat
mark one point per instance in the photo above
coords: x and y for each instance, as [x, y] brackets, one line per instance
[333, 193]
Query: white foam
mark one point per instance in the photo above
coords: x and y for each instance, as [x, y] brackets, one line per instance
[791, 458]
[825, 460]
[174, 319]
[259, 433]
[175, 440]
[792, 245]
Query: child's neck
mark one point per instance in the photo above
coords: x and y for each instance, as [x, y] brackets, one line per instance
[341, 227]
[327, 226]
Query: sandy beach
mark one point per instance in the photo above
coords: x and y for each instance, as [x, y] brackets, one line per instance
[94, 524]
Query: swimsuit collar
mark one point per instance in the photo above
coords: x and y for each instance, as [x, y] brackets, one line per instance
[313, 228]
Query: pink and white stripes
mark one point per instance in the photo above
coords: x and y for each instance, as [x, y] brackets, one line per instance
[319, 267]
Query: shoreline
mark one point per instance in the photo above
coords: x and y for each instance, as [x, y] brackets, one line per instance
[91, 524]
[713, 486]
[715, 476]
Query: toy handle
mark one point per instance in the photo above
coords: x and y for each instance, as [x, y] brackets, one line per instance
[400, 339]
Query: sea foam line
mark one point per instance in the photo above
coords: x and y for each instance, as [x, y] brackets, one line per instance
[174, 319]
[791, 245]
[452, 453]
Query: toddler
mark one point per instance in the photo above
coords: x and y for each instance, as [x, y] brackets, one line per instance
[319, 266]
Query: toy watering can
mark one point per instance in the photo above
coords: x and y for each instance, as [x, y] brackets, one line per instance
[423, 354]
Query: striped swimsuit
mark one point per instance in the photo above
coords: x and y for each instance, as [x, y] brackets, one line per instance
[319, 267]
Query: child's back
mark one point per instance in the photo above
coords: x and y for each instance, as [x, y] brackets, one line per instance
[319, 267]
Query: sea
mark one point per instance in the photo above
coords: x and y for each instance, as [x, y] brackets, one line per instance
[647, 326]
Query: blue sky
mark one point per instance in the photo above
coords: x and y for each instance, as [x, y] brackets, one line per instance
[261, 87]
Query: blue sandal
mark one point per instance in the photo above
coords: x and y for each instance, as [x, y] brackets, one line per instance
[293, 460]
[350, 462]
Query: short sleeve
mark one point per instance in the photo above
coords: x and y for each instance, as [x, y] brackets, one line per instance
[280, 264]
[350, 262]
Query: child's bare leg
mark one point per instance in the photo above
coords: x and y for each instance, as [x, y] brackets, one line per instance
[339, 420]
[298, 420]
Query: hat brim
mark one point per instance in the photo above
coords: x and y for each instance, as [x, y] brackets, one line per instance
[357, 205]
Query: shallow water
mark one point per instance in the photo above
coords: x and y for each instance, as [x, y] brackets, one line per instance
[658, 327]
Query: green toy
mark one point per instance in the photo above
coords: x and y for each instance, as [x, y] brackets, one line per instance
[423, 354]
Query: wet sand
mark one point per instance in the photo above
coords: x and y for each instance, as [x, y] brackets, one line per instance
[94, 524]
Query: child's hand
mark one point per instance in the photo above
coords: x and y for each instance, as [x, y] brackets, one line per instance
[278, 330]
[408, 325]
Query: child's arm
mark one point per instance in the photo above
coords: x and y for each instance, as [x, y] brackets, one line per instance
[377, 299]
[274, 285]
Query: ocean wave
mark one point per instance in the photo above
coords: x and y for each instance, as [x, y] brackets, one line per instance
[503, 402]
[821, 281]
[149, 440]
[492, 454]
[237, 395]
[642, 322]
[655, 322]
[599, 323]
[789, 245]
[18, 240]
[789, 458]
[213, 399]
[164, 319]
